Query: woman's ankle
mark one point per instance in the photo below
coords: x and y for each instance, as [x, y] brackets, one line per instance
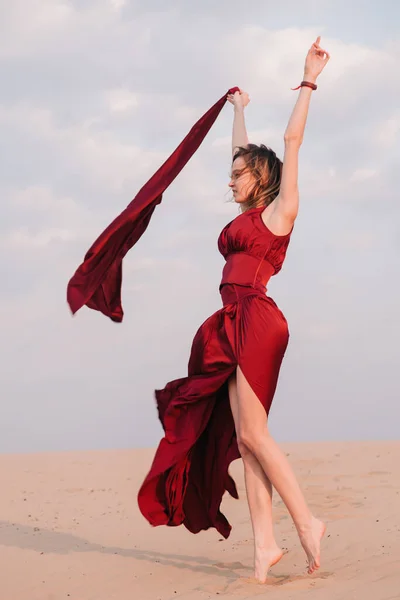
[266, 546]
[305, 524]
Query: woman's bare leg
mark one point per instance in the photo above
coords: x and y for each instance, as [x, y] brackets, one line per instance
[259, 496]
[253, 436]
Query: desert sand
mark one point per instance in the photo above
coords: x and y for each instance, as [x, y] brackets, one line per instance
[70, 528]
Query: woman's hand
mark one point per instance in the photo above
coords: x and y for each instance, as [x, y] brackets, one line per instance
[239, 99]
[315, 61]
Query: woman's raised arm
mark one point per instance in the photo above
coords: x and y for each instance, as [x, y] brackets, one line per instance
[239, 134]
[285, 205]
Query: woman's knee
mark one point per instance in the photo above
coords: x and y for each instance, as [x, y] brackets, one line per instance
[244, 450]
[250, 440]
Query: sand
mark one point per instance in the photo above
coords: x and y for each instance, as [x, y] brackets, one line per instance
[70, 528]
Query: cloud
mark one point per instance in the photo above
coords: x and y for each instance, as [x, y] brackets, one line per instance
[22, 238]
[322, 331]
[118, 4]
[121, 100]
[363, 174]
[387, 132]
[38, 217]
[92, 151]
[359, 241]
[41, 199]
[27, 26]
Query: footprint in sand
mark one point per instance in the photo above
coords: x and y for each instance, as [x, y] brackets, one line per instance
[299, 582]
[231, 566]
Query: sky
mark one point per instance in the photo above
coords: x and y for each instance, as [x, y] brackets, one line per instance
[95, 96]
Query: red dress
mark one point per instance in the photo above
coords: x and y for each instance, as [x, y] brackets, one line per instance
[189, 474]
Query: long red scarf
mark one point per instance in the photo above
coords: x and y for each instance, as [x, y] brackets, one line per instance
[97, 281]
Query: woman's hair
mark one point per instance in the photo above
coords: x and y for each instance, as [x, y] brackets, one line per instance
[266, 169]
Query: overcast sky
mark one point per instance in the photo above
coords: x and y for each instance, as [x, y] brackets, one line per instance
[95, 96]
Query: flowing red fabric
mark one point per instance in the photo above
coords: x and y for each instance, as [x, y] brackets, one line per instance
[189, 474]
[97, 281]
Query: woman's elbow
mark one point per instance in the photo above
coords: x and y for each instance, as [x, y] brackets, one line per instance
[293, 139]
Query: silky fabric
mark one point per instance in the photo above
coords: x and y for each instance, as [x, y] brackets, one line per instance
[189, 474]
[97, 281]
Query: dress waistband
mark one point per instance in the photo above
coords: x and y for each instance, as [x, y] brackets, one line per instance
[247, 270]
[231, 293]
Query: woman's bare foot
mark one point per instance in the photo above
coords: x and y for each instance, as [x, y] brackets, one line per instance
[310, 538]
[264, 559]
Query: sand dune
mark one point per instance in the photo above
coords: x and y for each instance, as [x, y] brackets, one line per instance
[70, 528]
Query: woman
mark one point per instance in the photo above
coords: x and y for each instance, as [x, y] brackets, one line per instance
[219, 412]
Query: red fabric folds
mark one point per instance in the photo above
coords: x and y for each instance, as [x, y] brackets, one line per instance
[97, 281]
[190, 471]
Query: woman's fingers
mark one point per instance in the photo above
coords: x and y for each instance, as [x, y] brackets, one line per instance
[324, 54]
[231, 98]
[241, 97]
[317, 47]
[320, 51]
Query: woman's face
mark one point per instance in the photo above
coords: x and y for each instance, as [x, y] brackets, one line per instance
[242, 181]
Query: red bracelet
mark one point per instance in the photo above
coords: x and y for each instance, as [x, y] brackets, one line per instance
[313, 86]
